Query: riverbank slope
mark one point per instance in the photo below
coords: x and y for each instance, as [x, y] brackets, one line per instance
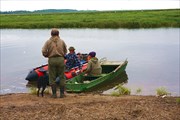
[88, 107]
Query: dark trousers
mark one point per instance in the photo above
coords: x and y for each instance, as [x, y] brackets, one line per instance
[56, 68]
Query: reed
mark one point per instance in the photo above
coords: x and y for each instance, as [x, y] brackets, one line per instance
[106, 19]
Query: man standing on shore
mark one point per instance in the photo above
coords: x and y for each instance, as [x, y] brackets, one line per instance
[55, 49]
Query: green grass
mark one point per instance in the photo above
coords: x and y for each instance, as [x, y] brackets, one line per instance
[108, 19]
[33, 90]
[121, 90]
[178, 100]
[162, 91]
[138, 91]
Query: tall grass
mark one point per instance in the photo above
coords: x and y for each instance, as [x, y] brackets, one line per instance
[138, 91]
[121, 90]
[162, 91]
[108, 19]
[33, 90]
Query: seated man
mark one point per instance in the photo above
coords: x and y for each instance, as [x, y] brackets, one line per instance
[81, 58]
[72, 59]
[94, 68]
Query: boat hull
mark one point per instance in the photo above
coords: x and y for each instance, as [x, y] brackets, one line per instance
[77, 84]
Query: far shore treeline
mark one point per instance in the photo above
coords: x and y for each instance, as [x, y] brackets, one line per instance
[93, 19]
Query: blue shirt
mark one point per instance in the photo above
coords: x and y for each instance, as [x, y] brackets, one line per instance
[72, 61]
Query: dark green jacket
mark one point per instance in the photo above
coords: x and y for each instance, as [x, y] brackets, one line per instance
[94, 67]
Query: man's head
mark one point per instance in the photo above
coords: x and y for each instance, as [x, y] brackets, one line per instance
[92, 54]
[71, 48]
[54, 32]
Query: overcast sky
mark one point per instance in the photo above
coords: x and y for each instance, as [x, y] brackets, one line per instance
[12, 5]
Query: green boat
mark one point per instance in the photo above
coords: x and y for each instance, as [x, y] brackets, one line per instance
[112, 72]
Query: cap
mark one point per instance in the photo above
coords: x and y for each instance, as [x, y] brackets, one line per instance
[71, 48]
[92, 54]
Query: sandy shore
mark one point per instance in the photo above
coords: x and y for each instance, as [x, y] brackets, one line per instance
[26, 106]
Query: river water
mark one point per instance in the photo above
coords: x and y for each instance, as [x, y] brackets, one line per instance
[153, 55]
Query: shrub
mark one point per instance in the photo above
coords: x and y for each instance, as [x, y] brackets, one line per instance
[138, 91]
[121, 90]
[162, 91]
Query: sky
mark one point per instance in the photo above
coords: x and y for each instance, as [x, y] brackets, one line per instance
[31, 5]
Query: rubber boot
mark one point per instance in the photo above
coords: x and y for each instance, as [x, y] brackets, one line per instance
[62, 92]
[53, 87]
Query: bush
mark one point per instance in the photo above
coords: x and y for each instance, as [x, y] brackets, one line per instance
[138, 91]
[121, 90]
[162, 91]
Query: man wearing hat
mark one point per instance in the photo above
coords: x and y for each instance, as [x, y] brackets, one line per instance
[94, 68]
[72, 59]
[55, 49]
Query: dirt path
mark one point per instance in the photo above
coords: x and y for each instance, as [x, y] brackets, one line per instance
[88, 107]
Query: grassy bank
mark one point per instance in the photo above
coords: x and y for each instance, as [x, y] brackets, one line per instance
[113, 19]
